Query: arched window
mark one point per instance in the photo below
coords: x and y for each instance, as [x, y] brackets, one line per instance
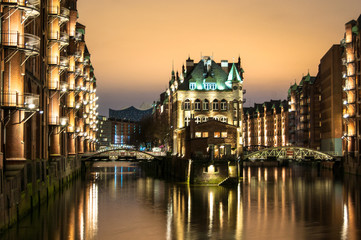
[215, 104]
[204, 119]
[187, 121]
[205, 104]
[223, 105]
[197, 105]
[187, 105]
[223, 119]
[198, 120]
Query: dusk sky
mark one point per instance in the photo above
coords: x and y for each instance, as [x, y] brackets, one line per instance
[133, 43]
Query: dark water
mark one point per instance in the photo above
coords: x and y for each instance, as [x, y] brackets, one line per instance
[274, 203]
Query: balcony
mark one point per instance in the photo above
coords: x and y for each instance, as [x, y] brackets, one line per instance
[79, 36]
[26, 101]
[61, 13]
[86, 61]
[53, 61]
[63, 86]
[31, 8]
[77, 55]
[58, 121]
[348, 88]
[62, 38]
[26, 42]
[64, 62]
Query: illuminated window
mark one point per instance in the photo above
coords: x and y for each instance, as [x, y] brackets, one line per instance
[204, 119]
[224, 134]
[223, 119]
[197, 105]
[217, 134]
[205, 134]
[187, 105]
[198, 120]
[192, 86]
[205, 104]
[213, 86]
[198, 134]
[215, 104]
[186, 121]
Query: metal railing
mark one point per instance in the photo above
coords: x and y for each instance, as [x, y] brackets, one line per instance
[77, 55]
[58, 121]
[14, 99]
[25, 4]
[62, 37]
[27, 42]
[64, 62]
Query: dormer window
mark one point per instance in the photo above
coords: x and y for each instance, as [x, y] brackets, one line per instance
[210, 86]
[192, 86]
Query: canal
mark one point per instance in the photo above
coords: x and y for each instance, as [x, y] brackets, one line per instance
[117, 201]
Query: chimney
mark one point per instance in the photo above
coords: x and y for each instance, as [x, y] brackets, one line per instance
[224, 65]
[189, 64]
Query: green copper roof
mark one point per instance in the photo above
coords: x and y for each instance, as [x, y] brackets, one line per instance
[82, 31]
[233, 74]
[355, 29]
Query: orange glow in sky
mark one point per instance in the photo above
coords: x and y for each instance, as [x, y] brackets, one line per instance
[133, 43]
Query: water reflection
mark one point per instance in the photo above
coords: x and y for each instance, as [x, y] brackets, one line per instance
[119, 202]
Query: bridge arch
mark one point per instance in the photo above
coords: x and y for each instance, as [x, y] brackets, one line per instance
[115, 153]
[284, 153]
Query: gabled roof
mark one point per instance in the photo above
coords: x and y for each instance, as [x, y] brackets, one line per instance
[200, 75]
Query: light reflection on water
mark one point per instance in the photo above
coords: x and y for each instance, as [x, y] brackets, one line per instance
[119, 202]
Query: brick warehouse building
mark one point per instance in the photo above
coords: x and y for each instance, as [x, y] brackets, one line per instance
[266, 125]
[304, 114]
[203, 91]
[351, 96]
[48, 99]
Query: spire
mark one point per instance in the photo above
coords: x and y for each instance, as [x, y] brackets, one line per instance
[239, 61]
[233, 74]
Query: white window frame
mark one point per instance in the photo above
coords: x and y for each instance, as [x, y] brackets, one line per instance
[198, 120]
[224, 105]
[192, 86]
[205, 104]
[215, 104]
[187, 120]
[187, 104]
[197, 105]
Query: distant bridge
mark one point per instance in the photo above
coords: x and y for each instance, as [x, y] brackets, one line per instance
[118, 153]
[289, 153]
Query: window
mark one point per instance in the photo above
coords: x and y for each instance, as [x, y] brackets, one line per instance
[192, 86]
[224, 105]
[213, 86]
[198, 134]
[187, 105]
[198, 120]
[223, 119]
[205, 104]
[217, 134]
[205, 134]
[204, 119]
[224, 134]
[186, 121]
[215, 104]
[197, 105]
